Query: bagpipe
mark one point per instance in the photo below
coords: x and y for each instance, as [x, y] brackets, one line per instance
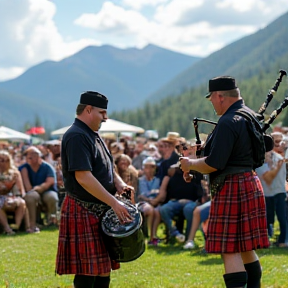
[265, 124]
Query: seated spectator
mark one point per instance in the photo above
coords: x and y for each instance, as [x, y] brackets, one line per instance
[60, 182]
[4, 145]
[116, 149]
[11, 191]
[180, 200]
[54, 149]
[200, 214]
[127, 172]
[19, 159]
[127, 148]
[139, 154]
[153, 152]
[109, 138]
[46, 155]
[40, 184]
[148, 189]
[167, 149]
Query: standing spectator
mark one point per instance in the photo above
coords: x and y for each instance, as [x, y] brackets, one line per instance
[237, 219]
[273, 176]
[40, 184]
[280, 144]
[91, 183]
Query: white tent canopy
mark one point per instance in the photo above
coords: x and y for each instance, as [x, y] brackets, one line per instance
[109, 126]
[10, 134]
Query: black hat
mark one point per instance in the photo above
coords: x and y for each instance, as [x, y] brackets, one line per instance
[94, 99]
[222, 83]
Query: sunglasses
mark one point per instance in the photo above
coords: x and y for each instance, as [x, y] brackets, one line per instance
[182, 145]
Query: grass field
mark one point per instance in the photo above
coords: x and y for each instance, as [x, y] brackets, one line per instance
[29, 261]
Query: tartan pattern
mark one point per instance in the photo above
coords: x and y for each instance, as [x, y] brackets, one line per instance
[237, 219]
[81, 248]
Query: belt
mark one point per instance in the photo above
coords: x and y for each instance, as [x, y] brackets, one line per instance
[97, 208]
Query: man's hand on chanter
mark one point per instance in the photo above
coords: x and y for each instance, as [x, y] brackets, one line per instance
[185, 164]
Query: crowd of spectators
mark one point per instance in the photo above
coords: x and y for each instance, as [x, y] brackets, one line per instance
[30, 186]
[32, 189]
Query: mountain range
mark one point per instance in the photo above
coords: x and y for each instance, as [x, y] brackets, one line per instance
[147, 87]
[244, 58]
[254, 61]
[50, 91]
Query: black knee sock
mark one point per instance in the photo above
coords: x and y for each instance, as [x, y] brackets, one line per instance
[235, 280]
[101, 282]
[84, 281]
[254, 273]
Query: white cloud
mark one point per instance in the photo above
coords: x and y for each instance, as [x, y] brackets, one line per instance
[29, 36]
[166, 29]
[139, 4]
[226, 12]
[172, 12]
[244, 5]
[11, 72]
[113, 19]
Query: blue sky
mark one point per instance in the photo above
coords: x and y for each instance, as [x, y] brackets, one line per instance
[33, 31]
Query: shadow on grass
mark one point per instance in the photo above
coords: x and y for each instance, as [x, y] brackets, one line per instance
[211, 261]
[206, 258]
[272, 250]
[23, 233]
[166, 249]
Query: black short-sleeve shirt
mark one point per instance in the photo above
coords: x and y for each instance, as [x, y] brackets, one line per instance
[83, 150]
[178, 188]
[165, 165]
[229, 144]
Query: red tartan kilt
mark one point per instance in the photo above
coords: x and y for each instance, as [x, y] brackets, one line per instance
[237, 218]
[81, 248]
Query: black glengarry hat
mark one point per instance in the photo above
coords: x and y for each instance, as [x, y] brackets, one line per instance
[94, 99]
[221, 83]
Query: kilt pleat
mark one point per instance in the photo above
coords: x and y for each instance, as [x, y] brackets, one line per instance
[237, 218]
[81, 248]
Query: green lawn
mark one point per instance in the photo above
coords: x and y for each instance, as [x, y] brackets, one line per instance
[29, 260]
